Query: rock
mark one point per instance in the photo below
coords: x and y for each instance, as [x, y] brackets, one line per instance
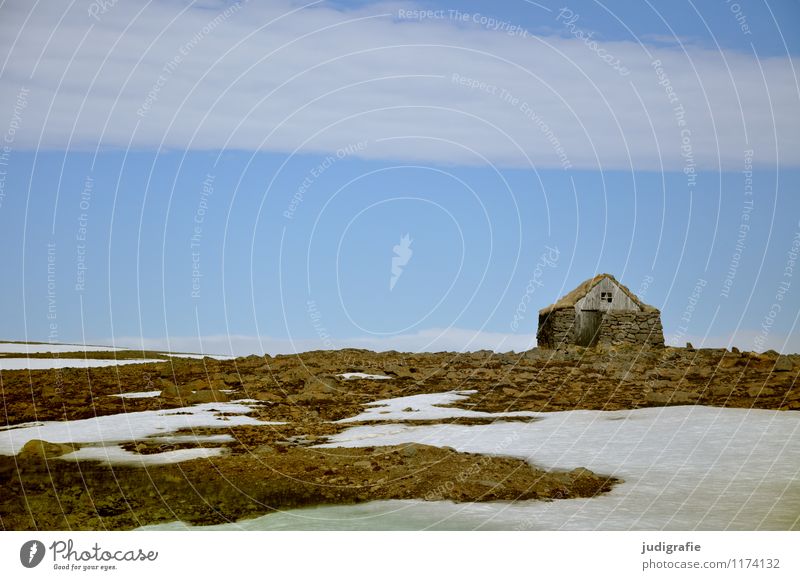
[725, 390]
[363, 464]
[324, 385]
[760, 391]
[316, 389]
[411, 449]
[208, 396]
[308, 397]
[689, 346]
[581, 472]
[672, 397]
[228, 378]
[490, 483]
[398, 371]
[268, 396]
[783, 364]
[49, 392]
[36, 448]
[170, 390]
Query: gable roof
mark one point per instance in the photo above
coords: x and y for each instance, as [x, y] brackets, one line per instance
[569, 300]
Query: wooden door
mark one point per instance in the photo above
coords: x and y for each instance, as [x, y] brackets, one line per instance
[588, 327]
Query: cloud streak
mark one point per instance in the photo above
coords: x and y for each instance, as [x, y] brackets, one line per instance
[429, 340]
[283, 77]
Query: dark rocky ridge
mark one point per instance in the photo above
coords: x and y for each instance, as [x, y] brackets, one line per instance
[304, 387]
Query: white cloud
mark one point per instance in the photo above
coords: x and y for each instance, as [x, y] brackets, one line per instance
[264, 78]
[430, 340]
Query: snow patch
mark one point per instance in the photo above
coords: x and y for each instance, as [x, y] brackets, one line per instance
[134, 426]
[116, 455]
[684, 468]
[25, 348]
[11, 364]
[138, 395]
[363, 376]
[426, 407]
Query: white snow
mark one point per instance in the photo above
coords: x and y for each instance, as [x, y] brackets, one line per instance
[183, 355]
[138, 395]
[10, 364]
[363, 376]
[128, 426]
[684, 468]
[24, 348]
[116, 455]
[221, 438]
[426, 407]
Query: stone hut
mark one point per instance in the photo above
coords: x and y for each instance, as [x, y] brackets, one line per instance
[601, 311]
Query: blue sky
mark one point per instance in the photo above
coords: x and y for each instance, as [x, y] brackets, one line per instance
[253, 169]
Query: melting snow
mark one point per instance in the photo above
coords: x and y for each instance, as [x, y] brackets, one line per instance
[9, 364]
[24, 348]
[684, 468]
[139, 395]
[128, 426]
[116, 455]
[426, 407]
[363, 376]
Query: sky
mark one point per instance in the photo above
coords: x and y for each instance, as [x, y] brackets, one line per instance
[249, 177]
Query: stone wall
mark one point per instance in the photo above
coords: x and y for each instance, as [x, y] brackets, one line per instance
[557, 329]
[631, 328]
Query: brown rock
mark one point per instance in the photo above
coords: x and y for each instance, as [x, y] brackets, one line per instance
[170, 390]
[760, 391]
[321, 385]
[672, 397]
[36, 448]
[208, 396]
[783, 364]
[269, 396]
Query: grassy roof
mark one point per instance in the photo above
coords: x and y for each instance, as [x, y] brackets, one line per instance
[569, 300]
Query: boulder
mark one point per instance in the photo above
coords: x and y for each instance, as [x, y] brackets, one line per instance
[321, 385]
[208, 396]
[38, 449]
[672, 397]
[170, 390]
[268, 396]
[760, 391]
[783, 364]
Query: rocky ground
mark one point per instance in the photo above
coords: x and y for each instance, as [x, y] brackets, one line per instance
[38, 494]
[276, 467]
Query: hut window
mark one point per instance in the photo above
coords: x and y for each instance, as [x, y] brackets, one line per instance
[605, 296]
